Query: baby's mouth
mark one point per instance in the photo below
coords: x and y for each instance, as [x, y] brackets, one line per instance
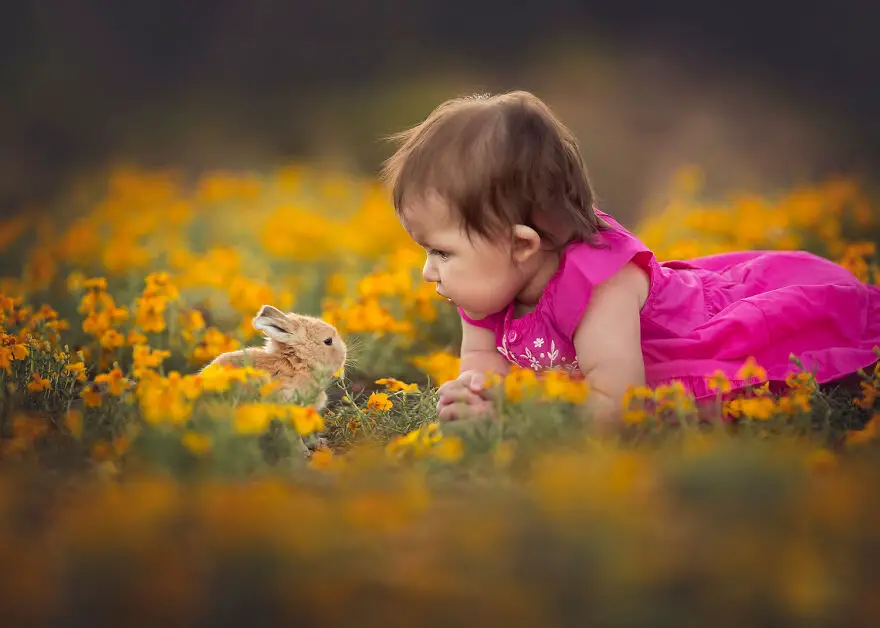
[448, 300]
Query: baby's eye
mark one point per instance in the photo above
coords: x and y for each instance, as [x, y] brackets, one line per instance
[441, 254]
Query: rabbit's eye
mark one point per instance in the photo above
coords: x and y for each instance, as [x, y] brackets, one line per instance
[328, 341]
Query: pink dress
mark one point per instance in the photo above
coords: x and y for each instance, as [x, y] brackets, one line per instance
[707, 314]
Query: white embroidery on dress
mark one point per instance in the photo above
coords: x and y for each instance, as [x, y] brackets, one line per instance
[534, 363]
[554, 352]
[544, 361]
[504, 351]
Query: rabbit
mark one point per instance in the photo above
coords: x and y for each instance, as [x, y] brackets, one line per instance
[296, 347]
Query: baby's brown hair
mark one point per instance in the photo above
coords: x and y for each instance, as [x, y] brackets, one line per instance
[499, 161]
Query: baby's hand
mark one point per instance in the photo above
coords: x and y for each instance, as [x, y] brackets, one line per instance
[464, 397]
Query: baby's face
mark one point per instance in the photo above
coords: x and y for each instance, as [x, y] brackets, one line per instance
[473, 273]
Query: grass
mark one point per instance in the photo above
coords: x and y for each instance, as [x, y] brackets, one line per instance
[134, 489]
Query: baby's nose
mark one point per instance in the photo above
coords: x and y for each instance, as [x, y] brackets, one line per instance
[429, 273]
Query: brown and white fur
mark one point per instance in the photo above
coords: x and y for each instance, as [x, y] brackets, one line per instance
[301, 353]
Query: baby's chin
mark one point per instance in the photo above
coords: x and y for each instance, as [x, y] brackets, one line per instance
[475, 314]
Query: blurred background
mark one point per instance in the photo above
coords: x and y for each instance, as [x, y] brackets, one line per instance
[762, 94]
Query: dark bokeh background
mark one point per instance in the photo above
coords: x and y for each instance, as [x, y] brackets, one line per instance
[761, 92]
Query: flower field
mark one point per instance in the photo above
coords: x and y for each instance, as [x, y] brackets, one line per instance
[139, 486]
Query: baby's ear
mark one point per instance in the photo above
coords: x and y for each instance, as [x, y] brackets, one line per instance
[526, 242]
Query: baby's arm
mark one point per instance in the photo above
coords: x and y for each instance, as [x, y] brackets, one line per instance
[479, 351]
[465, 394]
[608, 342]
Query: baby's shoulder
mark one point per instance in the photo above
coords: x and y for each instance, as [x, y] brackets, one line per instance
[616, 256]
[631, 280]
[620, 268]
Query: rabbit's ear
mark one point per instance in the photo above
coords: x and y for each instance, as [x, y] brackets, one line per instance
[276, 325]
[269, 311]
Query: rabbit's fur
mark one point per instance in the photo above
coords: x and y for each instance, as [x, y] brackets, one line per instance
[296, 347]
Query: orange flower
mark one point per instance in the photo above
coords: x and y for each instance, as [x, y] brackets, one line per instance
[91, 396]
[38, 384]
[306, 420]
[115, 381]
[864, 435]
[869, 395]
[719, 382]
[751, 372]
[379, 401]
[395, 384]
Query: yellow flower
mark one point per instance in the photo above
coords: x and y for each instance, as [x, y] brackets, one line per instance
[135, 338]
[802, 381]
[159, 284]
[866, 434]
[11, 352]
[635, 416]
[96, 323]
[213, 343]
[868, 396]
[95, 299]
[821, 460]
[95, 283]
[520, 383]
[640, 394]
[449, 449]
[38, 384]
[391, 283]
[73, 421]
[78, 369]
[379, 401]
[853, 258]
[762, 390]
[112, 339]
[168, 399]
[673, 397]
[150, 313]
[422, 302]
[323, 459]
[758, 408]
[146, 358]
[337, 284]
[219, 377]
[29, 427]
[751, 372]
[191, 321]
[306, 420]
[91, 396]
[254, 418]
[504, 453]
[419, 441]
[719, 382]
[116, 382]
[441, 366]
[798, 401]
[395, 384]
[269, 388]
[198, 444]
[732, 408]
[558, 385]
